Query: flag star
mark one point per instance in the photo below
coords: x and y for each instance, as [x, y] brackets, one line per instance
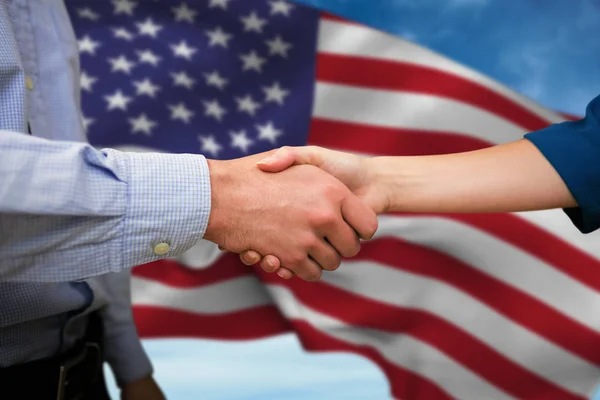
[210, 145]
[275, 93]
[123, 33]
[183, 79]
[149, 28]
[142, 124]
[278, 46]
[87, 45]
[121, 64]
[216, 80]
[117, 100]
[183, 50]
[86, 81]
[213, 108]
[240, 140]
[253, 23]
[247, 104]
[180, 111]
[218, 37]
[281, 7]
[268, 132]
[219, 3]
[147, 56]
[124, 6]
[184, 13]
[88, 13]
[146, 87]
[252, 61]
[86, 122]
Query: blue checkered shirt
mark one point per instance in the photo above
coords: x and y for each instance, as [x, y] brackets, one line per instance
[74, 219]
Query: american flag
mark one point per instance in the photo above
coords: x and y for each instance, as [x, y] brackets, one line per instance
[476, 307]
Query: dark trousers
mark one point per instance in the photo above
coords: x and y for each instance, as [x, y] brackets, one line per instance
[75, 375]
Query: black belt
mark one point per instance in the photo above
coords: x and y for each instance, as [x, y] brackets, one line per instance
[74, 375]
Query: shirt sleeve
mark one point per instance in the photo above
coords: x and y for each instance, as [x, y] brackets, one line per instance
[123, 349]
[573, 149]
[69, 211]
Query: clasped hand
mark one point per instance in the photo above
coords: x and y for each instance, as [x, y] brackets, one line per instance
[297, 211]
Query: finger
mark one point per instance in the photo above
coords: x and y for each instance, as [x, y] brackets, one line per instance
[270, 263]
[287, 156]
[285, 273]
[250, 257]
[326, 256]
[360, 217]
[222, 248]
[307, 270]
[342, 237]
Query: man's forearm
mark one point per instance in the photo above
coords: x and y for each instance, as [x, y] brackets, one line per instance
[510, 177]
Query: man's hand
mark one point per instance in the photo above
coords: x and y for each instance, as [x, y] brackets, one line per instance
[142, 389]
[353, 171]
[303, 216]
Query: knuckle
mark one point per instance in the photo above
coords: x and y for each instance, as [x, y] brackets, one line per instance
[323, 218]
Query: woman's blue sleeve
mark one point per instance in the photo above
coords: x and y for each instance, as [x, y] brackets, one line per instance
[573, 149]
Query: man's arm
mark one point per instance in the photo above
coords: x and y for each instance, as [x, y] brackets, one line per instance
[69, 211]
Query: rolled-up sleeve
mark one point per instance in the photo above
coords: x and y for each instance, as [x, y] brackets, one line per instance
[69, 211]
[573, 149]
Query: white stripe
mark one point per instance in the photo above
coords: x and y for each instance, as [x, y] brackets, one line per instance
[410, 111]
[218, 298]
[355, 40]
[403, 289]
[400, 350]
[499, 259]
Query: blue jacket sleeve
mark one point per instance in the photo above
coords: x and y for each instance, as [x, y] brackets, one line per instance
[69, 211]
[573, 149]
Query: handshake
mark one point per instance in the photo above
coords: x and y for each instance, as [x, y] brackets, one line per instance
[296, 210]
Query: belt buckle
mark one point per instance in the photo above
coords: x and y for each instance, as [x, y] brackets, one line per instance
[63, 382]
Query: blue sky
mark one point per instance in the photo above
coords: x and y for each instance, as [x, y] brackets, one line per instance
[546, 49]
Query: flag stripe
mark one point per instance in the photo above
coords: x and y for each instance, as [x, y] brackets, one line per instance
[159, 321]
[425, 327]
[411, 111]
[408, 77]
[517, 305]
[337, 37]
[401, 350]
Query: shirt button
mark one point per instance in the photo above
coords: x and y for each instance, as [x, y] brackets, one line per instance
[28, 83]
[162, 248]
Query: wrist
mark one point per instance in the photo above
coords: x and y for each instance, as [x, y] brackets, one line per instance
[396, 181]
[219, 179]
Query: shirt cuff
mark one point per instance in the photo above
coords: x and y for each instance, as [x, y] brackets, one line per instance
[573, 149]
[126, 356]
[168, 204]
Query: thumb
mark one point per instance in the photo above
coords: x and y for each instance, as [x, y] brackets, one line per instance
[287, 156]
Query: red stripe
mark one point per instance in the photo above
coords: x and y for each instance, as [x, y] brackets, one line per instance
[467, 350]
[332, 17]
[253, 323]
[400, 76]
[507, 227]
[507, 300]
[388, 141]
[404, 383]
[172, 273]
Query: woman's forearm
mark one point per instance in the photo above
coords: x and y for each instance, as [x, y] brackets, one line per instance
[509, 177]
